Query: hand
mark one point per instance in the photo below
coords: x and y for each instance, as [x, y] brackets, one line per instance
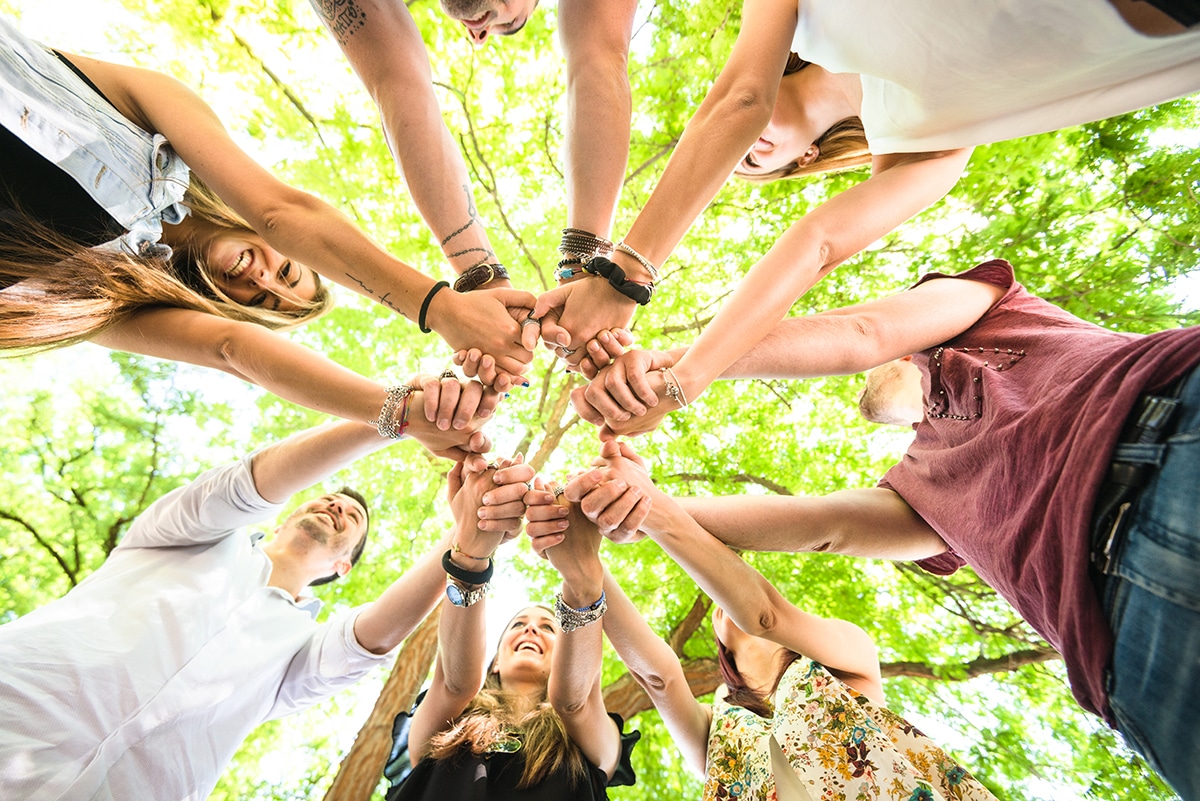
[616, 507]
[445, 416]
[488, 505]
[477, 364]
[608, 345]
[574, 313]
[628, 425]
[660, 513]
[623, 389]
[485, 319]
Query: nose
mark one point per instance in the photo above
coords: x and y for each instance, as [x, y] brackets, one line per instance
[479, 36]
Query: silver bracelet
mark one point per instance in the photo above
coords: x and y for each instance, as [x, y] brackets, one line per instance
[386, 424]
[674, 389]
[570, 618]
[642, 260]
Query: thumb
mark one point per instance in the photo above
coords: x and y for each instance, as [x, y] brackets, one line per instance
[552, 299]
[515, 298]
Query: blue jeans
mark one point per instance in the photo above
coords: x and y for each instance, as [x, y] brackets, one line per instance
[1152, 601]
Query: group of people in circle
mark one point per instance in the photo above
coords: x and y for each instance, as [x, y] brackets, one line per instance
[132, 219]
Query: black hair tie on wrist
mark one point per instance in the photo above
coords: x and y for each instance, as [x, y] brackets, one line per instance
[425, 305]
[641, 293]
[467, 576]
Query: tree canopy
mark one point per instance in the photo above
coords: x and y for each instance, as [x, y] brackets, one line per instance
[1103, 220]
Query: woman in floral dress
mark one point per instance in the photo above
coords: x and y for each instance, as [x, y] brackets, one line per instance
[801, 715]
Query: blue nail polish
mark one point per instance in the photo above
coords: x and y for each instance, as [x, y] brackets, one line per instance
[525, 384]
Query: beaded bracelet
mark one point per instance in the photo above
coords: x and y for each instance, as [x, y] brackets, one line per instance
[584, 244]
[570, 618]
[385, 424]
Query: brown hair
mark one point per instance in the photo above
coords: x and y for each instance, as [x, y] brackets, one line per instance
[490, 718]
[55, 292]
[740, 692]
[843, 146]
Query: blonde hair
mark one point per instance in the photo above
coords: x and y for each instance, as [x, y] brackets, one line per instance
[842, 147]
[490, 718]
[55, 292]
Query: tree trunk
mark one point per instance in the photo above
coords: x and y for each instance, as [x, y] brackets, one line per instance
[359, 773]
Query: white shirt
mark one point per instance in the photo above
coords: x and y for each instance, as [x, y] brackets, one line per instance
[942, 74]
[143, 680]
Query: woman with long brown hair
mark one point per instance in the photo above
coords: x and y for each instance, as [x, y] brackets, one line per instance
[537, 728]
[802, 714]
[909, 86]
[132, 219]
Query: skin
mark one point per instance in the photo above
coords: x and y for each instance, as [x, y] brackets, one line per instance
[484, 18]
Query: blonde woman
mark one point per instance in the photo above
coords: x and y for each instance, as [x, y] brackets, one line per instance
[131, 219]
[537, 728]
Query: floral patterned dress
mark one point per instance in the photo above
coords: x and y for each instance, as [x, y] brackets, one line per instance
[841, 745]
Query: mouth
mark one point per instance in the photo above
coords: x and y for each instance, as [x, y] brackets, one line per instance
[479, 22]
[328, 516]
[529, 646]
[765, 144]
[243, 262]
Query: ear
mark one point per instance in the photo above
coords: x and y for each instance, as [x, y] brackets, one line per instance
[907, 358]
[342, 567]
[812, 154]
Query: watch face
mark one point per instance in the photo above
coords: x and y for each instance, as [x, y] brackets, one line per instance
[455, 594]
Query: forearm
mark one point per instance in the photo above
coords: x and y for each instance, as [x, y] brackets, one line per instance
[872, 523]
[400, 609]
[597, 154]
[302, 460]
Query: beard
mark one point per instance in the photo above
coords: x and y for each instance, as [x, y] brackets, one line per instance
[315, 531]
[467, 9]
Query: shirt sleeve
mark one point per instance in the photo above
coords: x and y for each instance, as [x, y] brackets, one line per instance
[213, 506]
[330, 660]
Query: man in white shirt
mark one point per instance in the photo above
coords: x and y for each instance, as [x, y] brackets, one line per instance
[143, 680]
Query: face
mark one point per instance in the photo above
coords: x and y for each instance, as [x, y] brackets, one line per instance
[484, 18]
[335, 523]
[254, 274]
[784, 140]
[526, 646]
[724, 627]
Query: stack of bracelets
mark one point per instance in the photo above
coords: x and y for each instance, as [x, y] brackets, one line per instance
[585, 253]
[391, 423]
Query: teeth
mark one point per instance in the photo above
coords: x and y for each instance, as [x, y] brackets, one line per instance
[239, 265]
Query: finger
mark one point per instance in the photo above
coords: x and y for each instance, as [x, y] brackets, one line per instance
[516, 298]
[540, 540]
[627, 529]
[585, 409]
[606, 433]
[594, 504]
[512, 510]
[459, 357]
[596, 395]
[582, 484]
[454, 479]
[473, 461]
[547, 513]
[627, 451]
[588, 368]
[553, 300]
[618, 388]
[531, 332]
[512, 493]
[471, 362]
[431, 395]
[468, 404]
[553, 334]
[451, 391]
[612, 344]
[515, 473]
[639, 382]
[512, 366]
[538, 497]
[610, 449]
[623, 335]
[614, 514]
[488, 402]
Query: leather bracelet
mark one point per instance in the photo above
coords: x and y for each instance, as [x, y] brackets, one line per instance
[640, 293]
[467, 576]
[440, 285]
[479, 275]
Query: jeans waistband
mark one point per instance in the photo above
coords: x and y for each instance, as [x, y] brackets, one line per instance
[1137, 455]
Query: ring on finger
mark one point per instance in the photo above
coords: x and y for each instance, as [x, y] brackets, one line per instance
[567, 351]
[531, 320]
[493, 466]
[559, 490]
[529, 486]
[448, 373]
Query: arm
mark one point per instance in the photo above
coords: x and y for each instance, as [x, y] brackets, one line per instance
[301, 226]
[574, 688]
[458, 672]
[743, 594]
[656, 668]
[382, 43]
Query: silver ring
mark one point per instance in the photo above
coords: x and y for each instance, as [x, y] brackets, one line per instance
[529, 486]
[559, 490]
[493, 466]
[531, 321]
[448, 374]
[567, 351]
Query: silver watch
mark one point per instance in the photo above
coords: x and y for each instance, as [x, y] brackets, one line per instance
[459, 595]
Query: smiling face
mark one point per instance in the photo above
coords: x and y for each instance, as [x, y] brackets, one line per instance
[484, 18]
[253, 274]
[526, 647]
[786, 139]
[326, 527]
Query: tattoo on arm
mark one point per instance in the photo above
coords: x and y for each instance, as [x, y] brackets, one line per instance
[341, 17]
[384, 298]
[473, 217]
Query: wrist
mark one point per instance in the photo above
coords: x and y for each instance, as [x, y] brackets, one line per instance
[634, 271]
[440, 306]
[580, 590]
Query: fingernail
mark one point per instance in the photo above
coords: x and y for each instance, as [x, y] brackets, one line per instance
[485, 412]
[505, 396]
[525, 384]
[562, 511]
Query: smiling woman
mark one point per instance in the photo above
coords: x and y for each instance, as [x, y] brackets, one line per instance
[110, 237]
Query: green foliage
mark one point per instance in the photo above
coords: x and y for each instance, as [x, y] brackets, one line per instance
[1102, 219]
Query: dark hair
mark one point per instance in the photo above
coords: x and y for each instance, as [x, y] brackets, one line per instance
[740, 692]
[843, 146]
[362, 543]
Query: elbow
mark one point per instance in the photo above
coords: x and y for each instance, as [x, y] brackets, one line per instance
[286, 210]
[566, 703]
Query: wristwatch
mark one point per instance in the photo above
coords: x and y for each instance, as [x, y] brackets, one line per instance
[459, 595]
[479, 275]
